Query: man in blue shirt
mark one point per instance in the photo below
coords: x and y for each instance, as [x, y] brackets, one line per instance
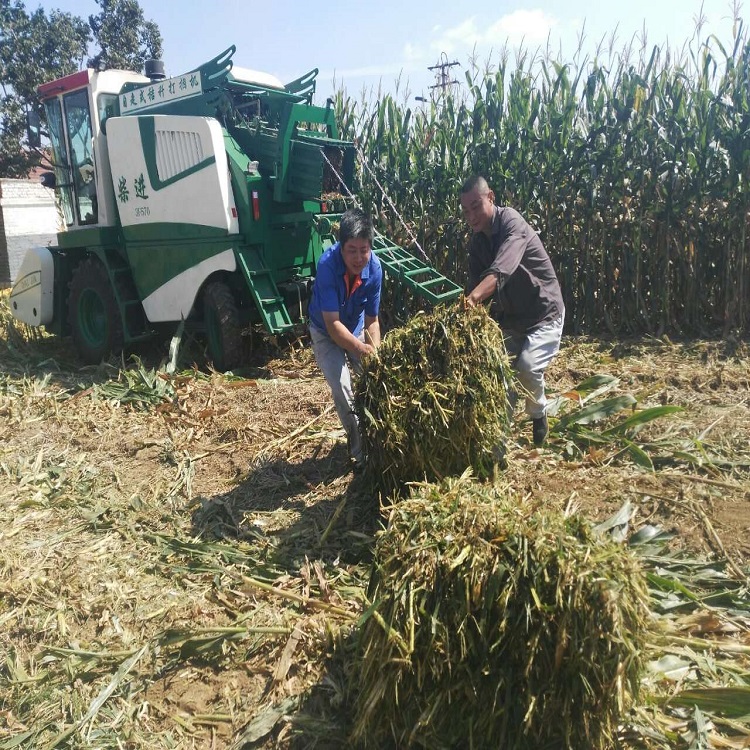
[343, 315]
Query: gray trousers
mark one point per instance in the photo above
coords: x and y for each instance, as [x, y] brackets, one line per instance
[530, 356]
[334, 363]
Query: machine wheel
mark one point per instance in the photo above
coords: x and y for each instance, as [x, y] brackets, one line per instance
[223, 327]
[93, 313]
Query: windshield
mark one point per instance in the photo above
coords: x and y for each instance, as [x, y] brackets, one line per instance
[60, 157]
[78, 120]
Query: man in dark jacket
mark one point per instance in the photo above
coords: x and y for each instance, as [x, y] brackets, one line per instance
[509, 265]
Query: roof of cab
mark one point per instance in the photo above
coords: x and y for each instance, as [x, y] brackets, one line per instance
[247, 75]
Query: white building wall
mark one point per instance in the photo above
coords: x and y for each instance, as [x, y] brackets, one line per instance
[28, 218]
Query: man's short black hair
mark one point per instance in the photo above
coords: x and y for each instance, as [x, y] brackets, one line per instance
[475, 181]
[355, 224]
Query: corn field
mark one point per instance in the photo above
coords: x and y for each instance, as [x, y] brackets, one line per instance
[634, 166]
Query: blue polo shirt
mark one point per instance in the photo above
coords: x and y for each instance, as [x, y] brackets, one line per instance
[330, 292]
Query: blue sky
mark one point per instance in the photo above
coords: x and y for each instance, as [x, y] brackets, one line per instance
[363, 45]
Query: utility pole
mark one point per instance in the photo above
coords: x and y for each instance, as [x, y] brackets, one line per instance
[443, 80]
[442, 75]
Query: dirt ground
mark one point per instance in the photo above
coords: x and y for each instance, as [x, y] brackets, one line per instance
[711, 382]
[125, 524]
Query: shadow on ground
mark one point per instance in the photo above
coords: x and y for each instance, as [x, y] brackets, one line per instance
[313, 509]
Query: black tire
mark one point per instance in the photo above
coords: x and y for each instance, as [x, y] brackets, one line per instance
[93, 313]
[223, 329]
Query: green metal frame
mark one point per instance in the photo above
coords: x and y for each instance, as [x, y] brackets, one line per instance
[422, 278]
[264, 291]
[292, 117]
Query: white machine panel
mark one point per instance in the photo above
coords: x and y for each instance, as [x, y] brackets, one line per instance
[32, 296]
[171, 169]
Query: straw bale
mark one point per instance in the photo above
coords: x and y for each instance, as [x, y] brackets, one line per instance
[494, 625]
[434, 401]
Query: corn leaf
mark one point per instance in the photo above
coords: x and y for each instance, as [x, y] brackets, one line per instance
[641, 417]
[639, 455]
[595, 412]
[733, 702]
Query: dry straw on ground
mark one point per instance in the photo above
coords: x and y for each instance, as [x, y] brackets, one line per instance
[434, 401]
[214, 521]
[521, 614]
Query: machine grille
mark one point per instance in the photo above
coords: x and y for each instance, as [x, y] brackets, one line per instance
[177, 151]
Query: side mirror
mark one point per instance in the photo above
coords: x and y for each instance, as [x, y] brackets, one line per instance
[48, 180]
[34, 130]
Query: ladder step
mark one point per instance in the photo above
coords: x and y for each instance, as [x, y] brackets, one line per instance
[432, 282]
[417, 271]
[400, 264]
[389, 249]
[263, 288]
[450, 294]
[422, 278]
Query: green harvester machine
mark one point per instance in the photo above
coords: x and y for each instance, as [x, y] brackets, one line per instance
[208, 197]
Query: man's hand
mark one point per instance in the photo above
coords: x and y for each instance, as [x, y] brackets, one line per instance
[482, 291]
[342, 336]
[372, 332]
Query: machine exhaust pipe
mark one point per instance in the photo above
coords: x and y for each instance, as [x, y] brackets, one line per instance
[154, 69]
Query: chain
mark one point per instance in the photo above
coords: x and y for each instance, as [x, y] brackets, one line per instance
[385, 195]
[340, 179]
[390, 203]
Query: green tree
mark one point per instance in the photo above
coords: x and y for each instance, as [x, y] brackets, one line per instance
[38, 47]
[126, 40]
[33, 49]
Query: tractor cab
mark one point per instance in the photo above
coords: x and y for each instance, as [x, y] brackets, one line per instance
[77, 107]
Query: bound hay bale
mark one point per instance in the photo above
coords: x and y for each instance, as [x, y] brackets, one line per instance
[496, 627]
[434, 400]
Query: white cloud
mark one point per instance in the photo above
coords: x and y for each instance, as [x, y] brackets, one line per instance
[473, 33]
[412, 59]
[528, 26]
[465, 35]
[531, 25]
[413, 53]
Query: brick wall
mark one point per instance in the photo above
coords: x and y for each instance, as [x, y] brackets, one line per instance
[28, 218]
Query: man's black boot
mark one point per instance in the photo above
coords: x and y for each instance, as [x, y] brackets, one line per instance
[539, 429]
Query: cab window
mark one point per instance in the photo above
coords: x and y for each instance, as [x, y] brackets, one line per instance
[60, 159]
[80, 141]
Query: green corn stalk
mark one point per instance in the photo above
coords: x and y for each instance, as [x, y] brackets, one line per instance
[633, 165]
